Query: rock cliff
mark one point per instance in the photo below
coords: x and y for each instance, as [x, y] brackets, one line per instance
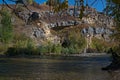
[98, 24]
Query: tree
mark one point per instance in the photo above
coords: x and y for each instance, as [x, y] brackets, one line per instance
[6, 31]
[113, 9]
[116, 1]
[51, 3]
[58, 5]
[30, 1]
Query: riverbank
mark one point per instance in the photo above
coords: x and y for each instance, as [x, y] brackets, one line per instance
[60, 55]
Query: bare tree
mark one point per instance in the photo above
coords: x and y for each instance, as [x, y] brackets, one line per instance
[24, 2]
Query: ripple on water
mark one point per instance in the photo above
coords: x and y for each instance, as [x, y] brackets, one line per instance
[55, 69]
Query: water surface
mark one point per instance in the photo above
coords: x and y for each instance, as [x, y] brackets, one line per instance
[65, 68]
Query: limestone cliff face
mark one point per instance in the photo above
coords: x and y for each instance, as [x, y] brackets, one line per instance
[39, 32]
[97, 19]
[42, 32]
[98, 32]
[98, 24]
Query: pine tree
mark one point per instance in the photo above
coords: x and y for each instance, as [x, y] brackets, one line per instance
[6, 27]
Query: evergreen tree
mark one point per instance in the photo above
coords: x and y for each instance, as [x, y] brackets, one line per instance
[6, 32]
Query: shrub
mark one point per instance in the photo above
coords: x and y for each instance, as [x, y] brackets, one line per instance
[75, 42]
[50, 48]
[43, 50]
[22, 46]
[20, 37]
[72, 50]
[56, 48]
[12, 51]
[22, 41]
[116, 49]
[3, 48]
[100, 45]
[65, 50]
[6, 29]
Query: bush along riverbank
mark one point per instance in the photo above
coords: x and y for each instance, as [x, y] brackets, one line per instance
[22, 45]
[27, 48]
[72, 42]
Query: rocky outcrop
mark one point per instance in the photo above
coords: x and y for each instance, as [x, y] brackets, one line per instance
[96, 30]
[42, 32]
[99, 32]
[98, 24]
[28, 16]
[63, 24]
[98, 19]
[93, 17]
[24, 15]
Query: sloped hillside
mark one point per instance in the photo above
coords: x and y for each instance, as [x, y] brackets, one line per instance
[61, 28]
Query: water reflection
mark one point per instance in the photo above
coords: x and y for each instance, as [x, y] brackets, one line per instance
[56, 69]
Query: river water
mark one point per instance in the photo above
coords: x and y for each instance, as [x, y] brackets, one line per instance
[57, 68]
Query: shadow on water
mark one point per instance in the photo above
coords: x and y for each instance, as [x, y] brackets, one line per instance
[59, 68]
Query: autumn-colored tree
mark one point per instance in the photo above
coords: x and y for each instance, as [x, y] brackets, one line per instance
[57, 5]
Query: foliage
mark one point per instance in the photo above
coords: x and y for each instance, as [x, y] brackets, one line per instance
[113, 9]
[30, 1]
[114, 1]
[61, 6]
[3, 48]
[12, 51]
[50, 48]
[82, 9]
[21, 48]
[58, 5]
[53, 2]
[100, 45]
[21, 45]
[6, 29]
[57, 48]
[73, 41]
[19, 9]
[43, 50]
[77, 41]
[117, 50]
[65, 50]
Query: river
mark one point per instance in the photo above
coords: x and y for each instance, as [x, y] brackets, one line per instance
[57, 68]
